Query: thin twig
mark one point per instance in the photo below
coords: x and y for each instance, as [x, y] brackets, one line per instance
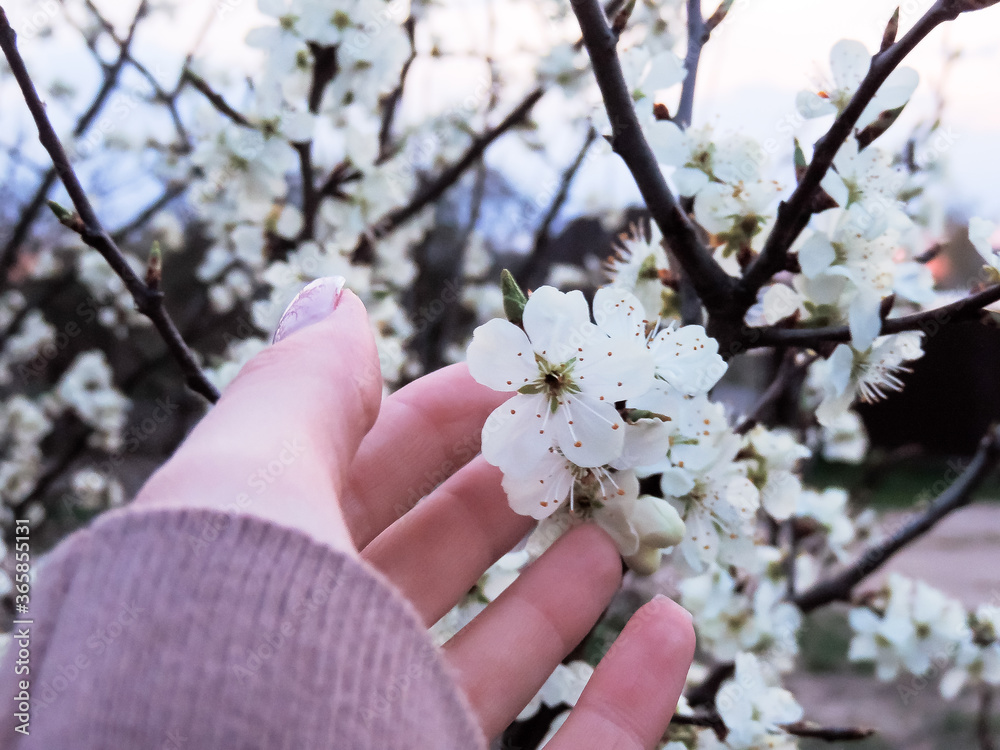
[390, 103]
[829, 734]
[436, 187]
[699, 31]
[542, 236]
[840, 586]
[310, 197]
[793, 214]
[214, 98]
[787, 372]
[148, 301]
[172, 191]
[159, 93]
[696, 40]
[8, 255]
[712, 283]
[929, 321]
[711, 720]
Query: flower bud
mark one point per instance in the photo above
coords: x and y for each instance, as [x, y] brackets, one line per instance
[657, 523]
[645, 562]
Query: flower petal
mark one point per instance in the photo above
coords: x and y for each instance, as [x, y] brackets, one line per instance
[689, 181]
[540, 492]
[894, 93]
[518, 434]
[557, 323]
[865, 319]
[835, 187]
[780, 494]
[676, 482]
[688, 359]
[811, 105]
[646, 442]
[980, 235]
[781, 302]
[657, 522]
[669, 143]
[500, 356]
[615, 369]
[816, 254]
[849, 62]
[663, 71]
[619, 313]
[590, 432]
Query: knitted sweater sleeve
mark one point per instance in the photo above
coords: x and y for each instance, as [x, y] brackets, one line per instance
[188, 628]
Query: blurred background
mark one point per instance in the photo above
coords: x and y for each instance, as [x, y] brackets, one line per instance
[498, 215]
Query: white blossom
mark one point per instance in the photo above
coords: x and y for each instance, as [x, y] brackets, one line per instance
[981, 233]
[567, 372]
[849, 63]
[917, 627]
[752, 705]
[87, 387]
[869, 375]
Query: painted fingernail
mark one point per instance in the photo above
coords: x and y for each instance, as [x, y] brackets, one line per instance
[311, 305]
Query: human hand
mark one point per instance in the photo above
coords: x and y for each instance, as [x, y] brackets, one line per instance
[300, 438]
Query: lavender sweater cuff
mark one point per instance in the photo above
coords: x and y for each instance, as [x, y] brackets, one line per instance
[197, 629]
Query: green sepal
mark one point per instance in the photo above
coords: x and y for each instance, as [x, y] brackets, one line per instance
[684, 441]
[514, 299]
[889, 35]
[881, 124]
[61, 213]
[648, 268]
[800, 161]
[634, 415]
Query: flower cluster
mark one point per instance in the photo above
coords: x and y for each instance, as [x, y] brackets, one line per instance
[595, 404]
[911, 628]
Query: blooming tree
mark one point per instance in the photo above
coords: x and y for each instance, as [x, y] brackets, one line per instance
[309, 168]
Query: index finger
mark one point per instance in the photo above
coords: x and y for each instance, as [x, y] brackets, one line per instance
[425, 432]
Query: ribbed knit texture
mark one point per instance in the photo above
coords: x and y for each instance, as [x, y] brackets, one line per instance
[197, 629]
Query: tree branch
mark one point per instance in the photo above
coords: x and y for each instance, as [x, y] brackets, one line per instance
[170, 100]
[704, 693]
[929, 321]
[699, 31]
[310, 197]
[542, 238]
[8, 255]
[148, 301]
[696, 40]
[214, 98]
[436, 187]
[173, 190]
[829, 734]
[793, 214]
[713, 721]
[390, 103]
[712, 283]
[787, 373]
[958, 495]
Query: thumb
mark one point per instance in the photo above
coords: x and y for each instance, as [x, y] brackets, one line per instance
[281, 439]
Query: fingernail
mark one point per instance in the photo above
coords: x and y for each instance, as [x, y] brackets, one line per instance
[674, 605]
[311, 305]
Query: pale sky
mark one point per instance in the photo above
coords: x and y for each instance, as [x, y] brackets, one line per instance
[757, 60]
